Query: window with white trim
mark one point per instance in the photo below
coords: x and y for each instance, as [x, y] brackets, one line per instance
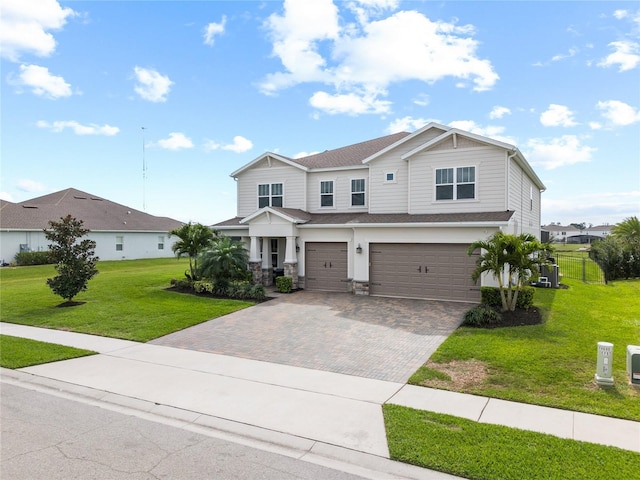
[357, 192]
[119, 243]
[326, 193]
[270, 195]
[456, 183]
[390, 177]
[160, 242]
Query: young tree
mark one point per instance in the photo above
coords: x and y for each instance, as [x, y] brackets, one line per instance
[194, 238]
[74, 259]
[511, 259]
[226, 259]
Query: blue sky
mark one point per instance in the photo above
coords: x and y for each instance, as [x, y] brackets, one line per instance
[216, 84]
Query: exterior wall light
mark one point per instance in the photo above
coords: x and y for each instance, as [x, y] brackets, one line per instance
[358, 249]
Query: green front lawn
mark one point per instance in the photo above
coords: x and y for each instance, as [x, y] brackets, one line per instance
[127, 299]
[22, 352]
[554, 363]
[475, 450]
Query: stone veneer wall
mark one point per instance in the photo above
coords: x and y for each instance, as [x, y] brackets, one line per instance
[267, 277]
[360, 288]
[256, 272]
[291, 270]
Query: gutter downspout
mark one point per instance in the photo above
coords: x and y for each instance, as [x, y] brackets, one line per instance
[514, 152]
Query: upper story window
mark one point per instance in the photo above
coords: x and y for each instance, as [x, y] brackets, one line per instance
[270, 195]
[326, 193]
[390, 177]
[357, 192]
[456, 183]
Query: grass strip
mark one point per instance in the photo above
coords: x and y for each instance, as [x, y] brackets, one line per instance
[488, 452]
[23, 352]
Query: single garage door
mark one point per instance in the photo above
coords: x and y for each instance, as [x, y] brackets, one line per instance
[326, 266]
[434, 271]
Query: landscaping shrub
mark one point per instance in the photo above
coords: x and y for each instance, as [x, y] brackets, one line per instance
[284, 284]
[33, 258]
[481, 316]
[182, 284]
[258, 293]
[491, 296]
[202, 286]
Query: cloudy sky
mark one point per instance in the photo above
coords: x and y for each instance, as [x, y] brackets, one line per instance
[92, 92]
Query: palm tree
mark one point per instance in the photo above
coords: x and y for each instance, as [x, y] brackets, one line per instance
[628, 230]
[511, 255]
[194, 238]
[226, 259]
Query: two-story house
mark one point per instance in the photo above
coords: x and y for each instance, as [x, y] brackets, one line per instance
[392, 216]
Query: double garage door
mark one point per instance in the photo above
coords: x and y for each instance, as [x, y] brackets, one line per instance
[433, 271]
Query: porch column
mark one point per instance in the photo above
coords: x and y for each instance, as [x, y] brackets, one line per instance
[267, 268]
[255, 264]
[291, 261]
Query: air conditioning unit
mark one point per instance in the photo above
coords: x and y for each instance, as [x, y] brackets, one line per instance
[633, 363]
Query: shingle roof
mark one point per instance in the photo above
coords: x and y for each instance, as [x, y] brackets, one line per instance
[97, 213]
[354, 219]
[350, 155]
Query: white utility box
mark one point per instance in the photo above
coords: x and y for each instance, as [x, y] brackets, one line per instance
[604, 370]
[633, 363]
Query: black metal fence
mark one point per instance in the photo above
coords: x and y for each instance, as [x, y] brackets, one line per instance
[578, 266]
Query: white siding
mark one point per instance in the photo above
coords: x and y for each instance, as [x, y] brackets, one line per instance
[490, 180]
[341, 190]
[392, 197]
[292, 178]
[524, 199]
[135, 244]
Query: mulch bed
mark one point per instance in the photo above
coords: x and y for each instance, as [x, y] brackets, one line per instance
[520, 317]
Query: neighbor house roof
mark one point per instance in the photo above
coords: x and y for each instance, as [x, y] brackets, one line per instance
[97, 213]
[373, 219]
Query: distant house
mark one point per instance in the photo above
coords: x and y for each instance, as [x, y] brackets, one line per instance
[570, 234]
[392, 216]
[120, 232]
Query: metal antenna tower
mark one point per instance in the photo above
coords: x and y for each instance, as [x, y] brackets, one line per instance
[144, 174]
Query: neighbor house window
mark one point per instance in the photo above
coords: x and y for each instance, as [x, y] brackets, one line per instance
[270, 195]
[390, 177]
[119, 243]
[326, 193]
[357, 192]
[456, 183]
[160, 242]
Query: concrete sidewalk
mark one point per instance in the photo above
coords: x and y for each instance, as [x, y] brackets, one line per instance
[309, 408]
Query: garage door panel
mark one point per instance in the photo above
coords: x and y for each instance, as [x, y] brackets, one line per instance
[326, 266]
[435, 271]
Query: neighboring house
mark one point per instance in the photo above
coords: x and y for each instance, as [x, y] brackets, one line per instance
[392, 216]
[120, 232]
[570, 234]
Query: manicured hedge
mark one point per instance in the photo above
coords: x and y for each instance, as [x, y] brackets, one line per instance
[491, 296]
[33, 258]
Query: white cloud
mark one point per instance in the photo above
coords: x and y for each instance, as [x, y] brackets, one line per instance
[626, 55]
[561, 56]
[6, 196]
[499, 112]
[213, 29]
[304, 154]
[619, 113]
[41, 82]
[558, 152]
[360, 60]
[79, 129]
[593, 207]
[407, 124]
[152, 85]
[422, 99]
[620, 14]
[30, 186]
[176, 141]
[350, 103]
[240, 145]
[491, 131]
[557, 116]
[25, 26]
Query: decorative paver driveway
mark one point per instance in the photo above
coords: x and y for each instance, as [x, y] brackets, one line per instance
[374, 337]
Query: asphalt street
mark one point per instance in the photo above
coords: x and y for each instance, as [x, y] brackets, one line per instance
[49, 437]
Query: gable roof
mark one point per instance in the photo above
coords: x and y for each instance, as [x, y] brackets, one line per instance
[98, 214]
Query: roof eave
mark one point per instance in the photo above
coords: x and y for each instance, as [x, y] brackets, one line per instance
[264, 156]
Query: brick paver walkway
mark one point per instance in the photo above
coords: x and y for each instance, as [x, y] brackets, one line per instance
[374, 337]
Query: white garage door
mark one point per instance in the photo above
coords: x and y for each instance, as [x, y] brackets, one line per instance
[432, 271]
[326, 266]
